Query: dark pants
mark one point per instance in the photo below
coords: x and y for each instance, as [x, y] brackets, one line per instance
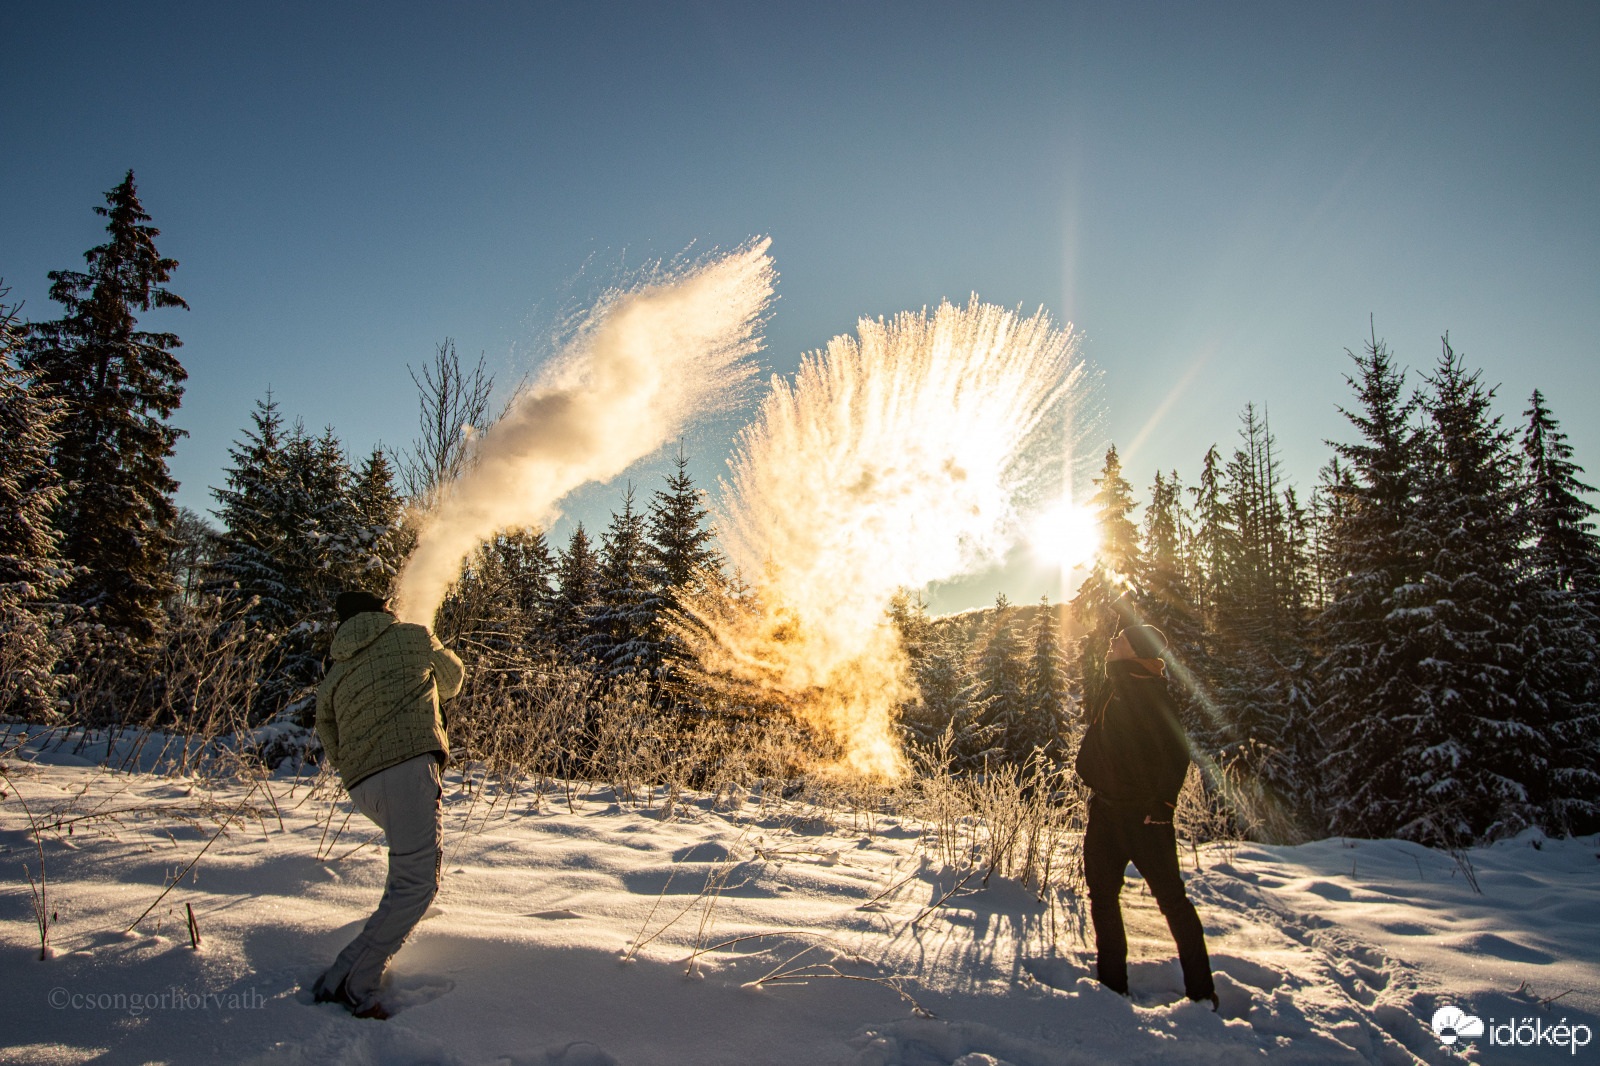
[1115, 837]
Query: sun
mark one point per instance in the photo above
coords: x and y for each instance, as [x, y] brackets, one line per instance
[1065, 534]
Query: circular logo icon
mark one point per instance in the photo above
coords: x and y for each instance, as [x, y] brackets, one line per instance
[1452, 1023]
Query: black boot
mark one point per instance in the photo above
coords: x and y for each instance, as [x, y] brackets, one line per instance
[320, 994]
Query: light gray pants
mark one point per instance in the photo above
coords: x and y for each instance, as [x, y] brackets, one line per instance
[404, 802]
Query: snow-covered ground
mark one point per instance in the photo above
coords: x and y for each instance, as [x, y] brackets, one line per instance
[564, 936]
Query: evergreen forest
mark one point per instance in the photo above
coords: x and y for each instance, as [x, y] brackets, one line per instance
[1406, 648]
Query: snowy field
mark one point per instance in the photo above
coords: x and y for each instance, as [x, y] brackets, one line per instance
[592, 932]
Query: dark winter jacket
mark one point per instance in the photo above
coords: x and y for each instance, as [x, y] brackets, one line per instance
[1134, 753]
[379, 704]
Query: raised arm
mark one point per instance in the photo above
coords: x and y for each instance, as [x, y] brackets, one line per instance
[448, 673]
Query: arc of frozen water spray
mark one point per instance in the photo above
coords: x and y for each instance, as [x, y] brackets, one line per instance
[894, 459]
[644, 364]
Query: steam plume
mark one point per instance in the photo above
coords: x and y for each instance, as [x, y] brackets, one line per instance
[895, 459]
[643, 364]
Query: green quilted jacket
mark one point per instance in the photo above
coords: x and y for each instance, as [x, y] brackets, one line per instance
[379, 704]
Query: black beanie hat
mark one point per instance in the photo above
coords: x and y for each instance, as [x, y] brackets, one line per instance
[1147, 641]
[357, 601]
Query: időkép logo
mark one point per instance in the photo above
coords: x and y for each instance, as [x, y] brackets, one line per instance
[1452, 1024]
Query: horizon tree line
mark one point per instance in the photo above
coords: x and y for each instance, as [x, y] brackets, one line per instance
[1412, 652]
[1409, 650]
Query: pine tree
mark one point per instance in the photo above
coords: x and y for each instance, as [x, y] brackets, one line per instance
[621, 620]
[679, 556]
[313, 530]
[1367, 703]
[680, 542]
[908, 614]
[1002, 699]
[1260, 668]
[937, 678]
[1170, 604]
[382, 540]
[295, 538]
[1562, 676]
[1565, 547]
[1211, 546]
[1114, 586]
[1476, 760]
[578, 585]
[943, 717]
[1330, 505]
[524, 557]
[499, 605]
[251, 559]
[32, 570]
[117, 385]
[1050, 706]
[319, 551]
[1169, 598]
[328, 554]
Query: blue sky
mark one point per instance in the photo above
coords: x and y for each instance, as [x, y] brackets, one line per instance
[1217, 195]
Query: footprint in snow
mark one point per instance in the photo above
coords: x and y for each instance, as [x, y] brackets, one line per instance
[577, 1053]
[415, 991]
[1247, 971]
[556, 916]
[1233, 997]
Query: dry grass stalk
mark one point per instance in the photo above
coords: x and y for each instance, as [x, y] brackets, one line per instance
[38, 893]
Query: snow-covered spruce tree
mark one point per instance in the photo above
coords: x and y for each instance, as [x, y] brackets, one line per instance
[1260, 669]
[1211, 542]
[1297, 790]
[380, 539]
[1051, 709]
[498, 606]
[944, 716]
[32, 570]
[1562, 675]
[1565, 546]
[577, 590]
[940, 719]
[1114, 583]
[320, 550]
[917, 720]
[1169, 605]
[1169, 599]
[1367, 702]
[621, 620]
[680, 556]
[1330, 503]
[249, 567]
[294, 539]
[1475, 755]
[117, 386]
[908, 614]
[334, 551]
[1001, 670]
[524, 558]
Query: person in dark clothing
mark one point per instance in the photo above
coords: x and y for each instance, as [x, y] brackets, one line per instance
[1134, 756]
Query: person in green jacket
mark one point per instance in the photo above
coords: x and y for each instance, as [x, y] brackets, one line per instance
[378, 716]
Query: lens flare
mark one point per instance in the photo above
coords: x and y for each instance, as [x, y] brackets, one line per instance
[896, 458]
[1066, 534]
[642, 365]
